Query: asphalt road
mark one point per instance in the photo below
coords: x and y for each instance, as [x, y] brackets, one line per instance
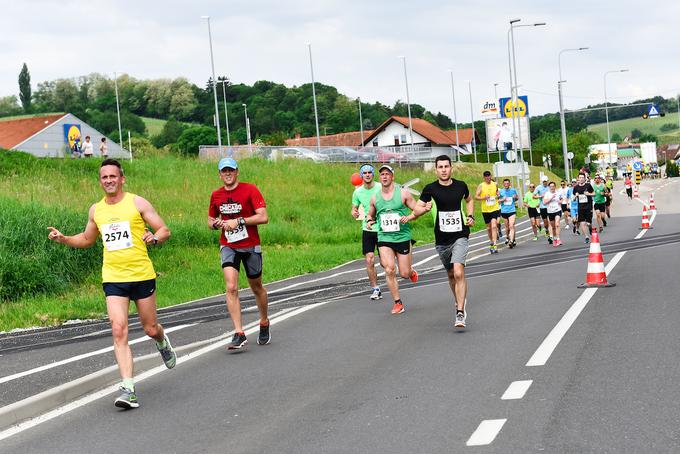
[342, 375]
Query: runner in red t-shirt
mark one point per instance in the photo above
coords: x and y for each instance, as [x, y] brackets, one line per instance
[237, 209]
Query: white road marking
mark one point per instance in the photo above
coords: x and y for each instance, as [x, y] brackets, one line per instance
[486, 432]
[543, 352]
[83, 356]
[517, 389]
[254, 327]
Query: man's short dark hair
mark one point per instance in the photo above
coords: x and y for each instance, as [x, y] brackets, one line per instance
[442, 157]
[506, 179]
[113, 162]
[486, 173]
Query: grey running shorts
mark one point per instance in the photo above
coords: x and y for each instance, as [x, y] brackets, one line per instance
[453, 253]
[251, 258]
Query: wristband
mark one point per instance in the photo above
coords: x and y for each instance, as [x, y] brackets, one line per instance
[155, 240]
[214, 224]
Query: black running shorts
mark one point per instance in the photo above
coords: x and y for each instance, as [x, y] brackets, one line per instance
[135, 291]
[533, 212]
[489, 216]
[401, 248]
[369, 241]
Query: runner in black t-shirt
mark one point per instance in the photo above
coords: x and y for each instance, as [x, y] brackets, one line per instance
[583, 192]
[451, 227]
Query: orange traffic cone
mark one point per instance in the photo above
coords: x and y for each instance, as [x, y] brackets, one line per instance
[645, 219]
[596, 275]
[635, 192]
[651, 202]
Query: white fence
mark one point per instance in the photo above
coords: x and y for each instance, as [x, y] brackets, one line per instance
[397, 154]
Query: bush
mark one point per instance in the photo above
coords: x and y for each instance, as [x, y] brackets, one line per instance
[192, 138]
[668, 127]
[32, 264]
[672, 169]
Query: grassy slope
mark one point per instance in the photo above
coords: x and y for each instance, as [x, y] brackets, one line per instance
[310, 228]
[153, 125]
[19, 117]
[649, 126]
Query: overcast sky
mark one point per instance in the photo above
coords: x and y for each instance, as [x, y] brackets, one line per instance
[356, 45]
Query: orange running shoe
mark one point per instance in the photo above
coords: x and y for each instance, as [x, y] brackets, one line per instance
[414, 276]
[398, 308]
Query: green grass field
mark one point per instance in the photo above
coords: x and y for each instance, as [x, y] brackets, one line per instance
[310, 228]
[154, 126]
[649, 126]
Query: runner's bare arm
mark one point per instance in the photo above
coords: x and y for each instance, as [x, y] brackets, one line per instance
[422, 207]
[478, 192]
[82, 240]
[355, 211]
[370, 216]
[470, 209]
[151, 217]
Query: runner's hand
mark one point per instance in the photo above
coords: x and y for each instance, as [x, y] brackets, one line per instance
[55, 235]
[428, 206]
[230, 224]
[355, 212]
[147, 237]
[404, 219]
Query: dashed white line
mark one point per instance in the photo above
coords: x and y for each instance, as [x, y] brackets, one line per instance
[486, 432]
[517, 390]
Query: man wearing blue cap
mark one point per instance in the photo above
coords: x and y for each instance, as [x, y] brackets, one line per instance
[237, 209]
[369, 238]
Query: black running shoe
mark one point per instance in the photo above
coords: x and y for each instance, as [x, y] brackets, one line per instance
[238, 342]
[604, 222]
[265, 336]
[550, 240]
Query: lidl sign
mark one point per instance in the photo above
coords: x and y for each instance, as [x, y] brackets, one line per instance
[520, 110]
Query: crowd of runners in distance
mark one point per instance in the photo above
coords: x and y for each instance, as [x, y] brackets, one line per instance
[128, 224]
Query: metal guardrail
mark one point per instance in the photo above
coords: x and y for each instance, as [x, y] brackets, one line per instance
[397, 154]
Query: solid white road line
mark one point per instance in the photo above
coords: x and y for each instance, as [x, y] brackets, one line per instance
[486, 432]
[274, 319]
[83, 356]
[550, 343]
[517, 389]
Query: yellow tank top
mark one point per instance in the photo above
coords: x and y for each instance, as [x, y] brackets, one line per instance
[125, 255]
[491, 205]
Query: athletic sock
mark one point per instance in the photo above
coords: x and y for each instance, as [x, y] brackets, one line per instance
[241, 333]
[266, 323]
[129, 383]
[460, 311]
[397, 301]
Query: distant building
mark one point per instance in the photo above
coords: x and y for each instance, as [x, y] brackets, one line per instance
[53, 136]
[393, 132]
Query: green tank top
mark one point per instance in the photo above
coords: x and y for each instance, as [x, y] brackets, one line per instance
[388, 213]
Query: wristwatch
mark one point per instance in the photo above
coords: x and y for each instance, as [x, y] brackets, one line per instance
[241, 221]
[155, 240]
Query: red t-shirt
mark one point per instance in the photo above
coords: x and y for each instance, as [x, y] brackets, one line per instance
[239, 202]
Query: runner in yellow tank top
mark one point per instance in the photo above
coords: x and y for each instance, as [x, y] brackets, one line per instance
[127, 271]
[487, 193]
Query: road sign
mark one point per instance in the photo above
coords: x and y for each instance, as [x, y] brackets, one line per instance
[653, 111]
[570, 155]
[637, 165]
[520, 110]
[510, 155]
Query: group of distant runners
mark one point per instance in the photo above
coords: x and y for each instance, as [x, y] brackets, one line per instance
[128, 224]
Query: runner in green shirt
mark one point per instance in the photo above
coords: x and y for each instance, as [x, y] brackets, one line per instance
[599, 190]
[531, 204]
[369, 239]
[389, 209]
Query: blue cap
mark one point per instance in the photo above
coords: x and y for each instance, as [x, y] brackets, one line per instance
[227, 162]
[366, 168]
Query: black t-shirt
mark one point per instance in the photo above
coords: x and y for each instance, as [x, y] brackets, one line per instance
[578, 189]
[448, 199]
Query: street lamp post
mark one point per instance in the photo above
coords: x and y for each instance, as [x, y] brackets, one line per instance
[408, 103]
[472, 119]
[120, 130]
[562, 122]
[316, 114]
[361, 123]
[245, 112]
[214, 86]
[606, 108]
[455, 114]
[226, 115]
[519, 154]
